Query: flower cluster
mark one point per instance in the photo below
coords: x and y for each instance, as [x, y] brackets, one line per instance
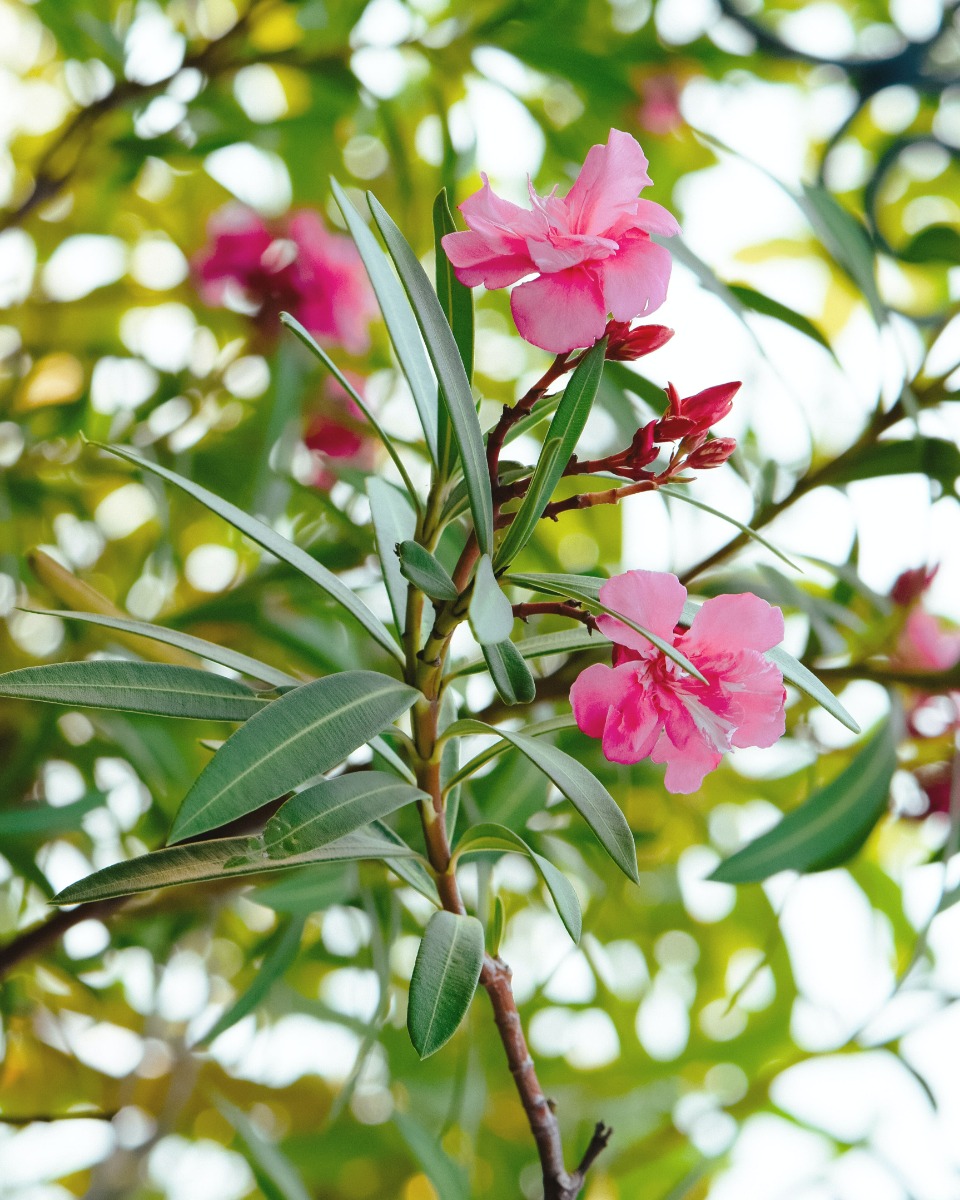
[647, 706]
[294, 265]
[591, 250]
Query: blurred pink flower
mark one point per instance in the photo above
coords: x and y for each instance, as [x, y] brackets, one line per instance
[646, 706]
[591, 250]
[925, 645]
[294, 264]
[659, 111]
[910, 585]
[336, 431]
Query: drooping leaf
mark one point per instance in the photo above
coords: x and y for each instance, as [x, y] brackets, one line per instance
[454, 385]
[461, 728]
[566, 641]
[136, 687]
[398, 317]
[393, 521]
[220, 858]
[561, 441]
[279, 953]
[223, 655]
[847, 242]
[278, 546]
[331, 809]
[490, 612]
[687, 498]
[827, 829]
[297, 737]
[584, 791]
[934, 457]
[444, 979]
[313, 346]
[491, 838]
[425, 571]
[510, 674]
[276, 1176]
[768, 307]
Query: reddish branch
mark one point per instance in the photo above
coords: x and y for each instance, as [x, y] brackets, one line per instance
[558, 608]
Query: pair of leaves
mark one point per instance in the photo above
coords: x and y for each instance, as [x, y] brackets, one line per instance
[827, 829]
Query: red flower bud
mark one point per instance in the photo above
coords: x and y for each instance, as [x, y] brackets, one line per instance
[910, 585]
[694, 414]
[626, 344]
[711, 454]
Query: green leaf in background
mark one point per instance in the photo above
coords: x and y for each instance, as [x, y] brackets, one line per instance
[560, 442]
[510, 674]
[827, 829]
[847, 242]
[226, 657]
[31, 820]
[394, 521]
[407, 864]
[398, 318]
[136, 687]
[768, 307]
[687, 498]
[447, 1176]
[491, 838]
[937, 458]
[220, 858]
[454, 385]
[276, 1176]
[273, 542]
[279, 953]
[490, 612]
[297, 737]
[584, 791]
[444, 979]
[298, 330]
[455, 298]
[329, 810]
[424, 571]
[566, 641]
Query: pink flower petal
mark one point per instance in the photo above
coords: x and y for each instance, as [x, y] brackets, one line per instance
[595, 691]
[608, 184]
[630, 735]
[500, 223]
[474, 262]
[756, 688]
[654, 218]
[560, 312]
[686, 768]
[635, 279]
[925, 645]
[654, 599]
[734, 622]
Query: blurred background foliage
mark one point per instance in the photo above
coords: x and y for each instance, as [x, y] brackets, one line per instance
[124, 127]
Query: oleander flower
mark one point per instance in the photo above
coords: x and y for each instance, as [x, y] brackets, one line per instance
[591, 250]
[646, 706]
[294, 265]
[336, 431]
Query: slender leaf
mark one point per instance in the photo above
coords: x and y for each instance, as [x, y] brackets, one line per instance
[297, 737]
[226, 657]
[276, 1176]
[510, 674]
[219, 858]
[398, 317]
[456, 299]
[394, 520]
[454, 384]
[448, 1177]
[307, 890]
[561, 441]
[281, 950]
[330, 810]
[847, 242]
[445, 976]
[491, 838]
[136, 687]
[566, 641]
[32, 820]
[585, 792]
[408, 865]
[827, 829]
[565, 721]
[424, 571]
[490, 612]
[768, 307]
[298, 330]
[937, 458]
[682, 494]
[271, 541]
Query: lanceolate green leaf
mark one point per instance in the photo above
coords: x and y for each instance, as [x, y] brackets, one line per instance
[454, 385]
[847, 242]
[297, 737]
[276, 1176]
[510, 674]
[827, 829]
[455, 298]
[408, 865]
[272, 541]
[398, 317]
[585, 792]
[330, 810]
[687, 498]
[394, 520]
[220, 858]
[184, 641]
[490, 612]
[423, 570]
[444, 979]
[462, 728]
[769, 307]
[279, 953]
[136, 687]
[298, 330]
[559, 444]
[566, 641]
[491, 838]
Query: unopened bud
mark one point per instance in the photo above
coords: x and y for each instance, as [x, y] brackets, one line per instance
[910, 585]
[711, 454]
[626, 345]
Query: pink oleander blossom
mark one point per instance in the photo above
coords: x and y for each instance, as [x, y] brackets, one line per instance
[336, 433]
[294, 264]
[645, 706]
[591, 250]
